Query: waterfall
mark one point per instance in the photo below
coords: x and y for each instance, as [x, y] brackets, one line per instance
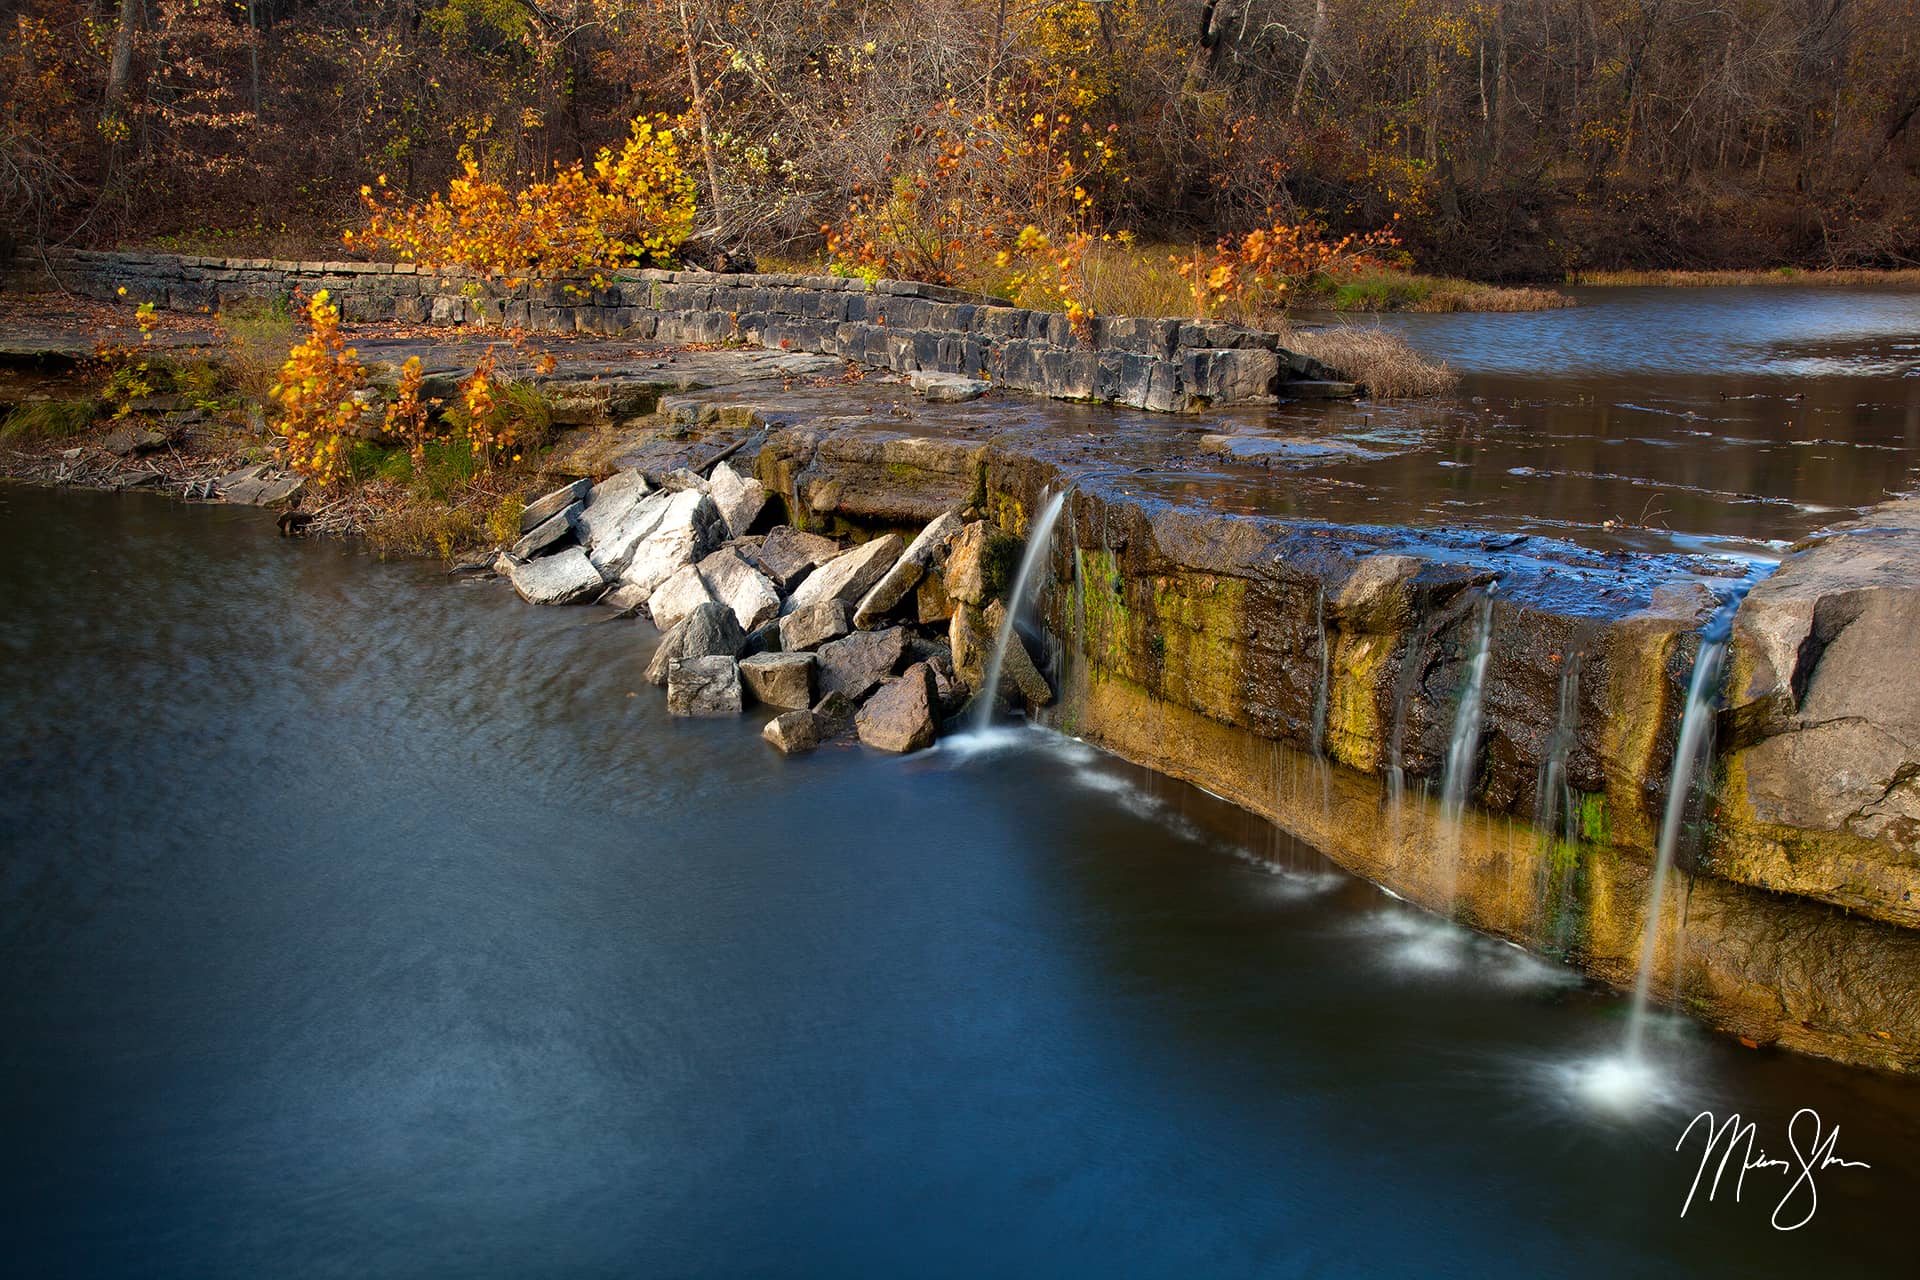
[1695, 720]
[1553, 806]
[1039, 536]
[1463, 751]
[1463, 747]
[1317, 740]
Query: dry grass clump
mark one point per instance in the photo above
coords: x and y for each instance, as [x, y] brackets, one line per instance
[1826, 277]
[258, 337]
[1381, 362]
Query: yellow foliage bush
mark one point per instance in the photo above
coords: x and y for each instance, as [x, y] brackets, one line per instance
[631, 207]
[316, 395]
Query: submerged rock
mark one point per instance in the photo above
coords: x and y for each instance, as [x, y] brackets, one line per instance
[566, 578]
[541, 510]
[780, 679]
[709, 630]
[811, 626]
[849, 575]
[703, 686]
[854, 665]
[793, 732]
[900, 715]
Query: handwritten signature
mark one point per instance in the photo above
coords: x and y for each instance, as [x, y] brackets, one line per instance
[1812, 1152]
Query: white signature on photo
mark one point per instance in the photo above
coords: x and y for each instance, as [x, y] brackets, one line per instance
[1733, 1140]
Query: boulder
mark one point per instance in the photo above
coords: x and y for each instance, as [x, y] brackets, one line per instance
[612, 531]
[739, 498]
[1017, 669]
[689, 526]
[967, 576]
[608, 503]
[900, 715]
[780, 679]
[703, 686]
[833, 714]
[566, 578]
[949, 690]
[906, 572]
[931, 603]
[126, 442]
[741, 587]
[624, 597]
[849, 575]
[793, 732]
[814, 625]
[708, 631]
[972, 635]
[541, 510]
[677, 597]
[787, 555]
[547, 532]
[860, 661]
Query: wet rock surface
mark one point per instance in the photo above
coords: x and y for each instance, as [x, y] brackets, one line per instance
[703, 686]
[565, 578]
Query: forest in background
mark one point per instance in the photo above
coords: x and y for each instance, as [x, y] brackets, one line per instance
[1499, 139]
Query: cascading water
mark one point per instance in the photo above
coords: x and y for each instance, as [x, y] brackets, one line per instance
[1463, 751]
[1039, 538]
[1412, 666]
[1696, 718]
[1318, 735]
[1554, 816]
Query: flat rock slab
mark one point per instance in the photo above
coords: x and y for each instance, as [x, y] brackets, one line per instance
[608, 503]
[854, 665]
[703, 686]
[566, 578]
[259, 486]
[1319, 390]
[787, 554]
[850, 575]
[900, 715]
[541, 510]
[906, 572]
[946, 388]
[780, 679]
[548, 531]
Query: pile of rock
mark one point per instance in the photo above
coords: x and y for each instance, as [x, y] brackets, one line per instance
[886, 638]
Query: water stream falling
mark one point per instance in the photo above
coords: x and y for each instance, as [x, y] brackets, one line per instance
[1696, 718]
[1463, 750]
[1555, 815]
[1318, 739]
[1039, 539]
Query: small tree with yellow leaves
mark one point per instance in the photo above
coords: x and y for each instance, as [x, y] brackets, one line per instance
[316, 395]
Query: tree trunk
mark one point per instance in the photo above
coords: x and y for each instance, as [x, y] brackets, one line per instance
[121, 66]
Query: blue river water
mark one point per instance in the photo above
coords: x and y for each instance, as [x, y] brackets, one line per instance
[358, 922]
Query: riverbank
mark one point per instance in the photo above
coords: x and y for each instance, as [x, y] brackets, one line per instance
[1803, 277]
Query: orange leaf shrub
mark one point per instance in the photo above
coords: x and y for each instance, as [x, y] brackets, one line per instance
[630, 207]
[1257, 275]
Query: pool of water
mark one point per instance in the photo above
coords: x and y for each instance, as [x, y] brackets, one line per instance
[1730, 419]
[359, 922]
